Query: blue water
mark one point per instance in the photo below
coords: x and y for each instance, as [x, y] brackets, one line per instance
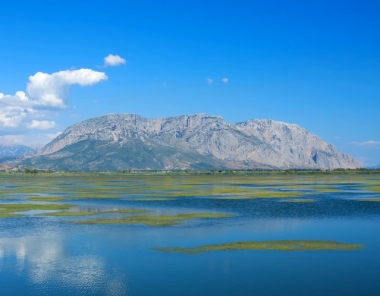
[45, 256]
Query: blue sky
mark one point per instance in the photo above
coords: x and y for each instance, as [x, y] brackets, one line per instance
[313, 63]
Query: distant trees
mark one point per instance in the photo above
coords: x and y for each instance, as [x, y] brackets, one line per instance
[36, 171]
[31, 171]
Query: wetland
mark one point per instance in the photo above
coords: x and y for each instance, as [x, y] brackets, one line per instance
[187, 234]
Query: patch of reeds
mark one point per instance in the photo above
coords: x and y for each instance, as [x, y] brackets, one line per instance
[155, 220]
[277, 245]
[83, 213]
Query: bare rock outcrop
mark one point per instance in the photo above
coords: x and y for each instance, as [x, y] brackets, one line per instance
[127, 141]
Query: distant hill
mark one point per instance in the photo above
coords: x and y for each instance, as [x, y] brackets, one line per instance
[374, 167]
[126, 141]
[14, 150]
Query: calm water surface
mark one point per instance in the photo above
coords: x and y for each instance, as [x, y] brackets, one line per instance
[52, 255]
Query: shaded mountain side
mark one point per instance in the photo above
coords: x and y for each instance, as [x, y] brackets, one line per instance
[135, 154]
[199, 141]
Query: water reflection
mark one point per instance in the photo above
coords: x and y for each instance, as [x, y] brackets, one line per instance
[50, 255]
[47, 259]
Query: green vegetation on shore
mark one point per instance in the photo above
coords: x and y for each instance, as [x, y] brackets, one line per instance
[36, 172]
[277, 245]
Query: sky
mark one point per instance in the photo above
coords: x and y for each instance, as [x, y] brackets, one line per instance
[312, 63]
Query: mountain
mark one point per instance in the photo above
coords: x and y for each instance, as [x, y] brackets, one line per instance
[374, 167]
[9, 151]
[200, 141]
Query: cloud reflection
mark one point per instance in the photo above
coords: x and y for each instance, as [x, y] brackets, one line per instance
[46, 261]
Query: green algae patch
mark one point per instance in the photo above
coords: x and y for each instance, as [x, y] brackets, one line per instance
[82, 213]
[325, 189]
[155, 220]
[21, 207]
[10, 215]
[298, 200]
[47, 199]
[376, 199]
[377, 189]
[264, 194]
[154, 199]
[279, 245]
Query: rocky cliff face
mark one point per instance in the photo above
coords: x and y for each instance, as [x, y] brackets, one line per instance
[125, 141]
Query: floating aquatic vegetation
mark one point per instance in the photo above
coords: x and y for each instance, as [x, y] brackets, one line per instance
[153, 199]
[9, 210]
[9, 215]
[263, 194]
[375, 199]
[298, 200]
[277, 245]
[155, 220]
[157, 187]
[46, 199]
[83, 213]
[22, 207]
[326, 189]
[377, 189]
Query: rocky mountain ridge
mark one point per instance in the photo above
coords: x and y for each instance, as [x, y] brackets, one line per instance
[199, 141]
[14, 150]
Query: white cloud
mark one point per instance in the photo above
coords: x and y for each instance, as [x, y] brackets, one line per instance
[44, 93]
[11, 139]
[52, 136]
[209, 81]
[41, 125]
[368, 143]
[225, 80]
[33, 139]
[14, 109]
[113, 60]
[51, 89]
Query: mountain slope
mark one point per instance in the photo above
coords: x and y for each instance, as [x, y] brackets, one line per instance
[14, 150]
[9, 152]
[126, 141]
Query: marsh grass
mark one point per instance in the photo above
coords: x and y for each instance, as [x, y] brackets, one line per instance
[22, 207]
[263, 194]
[9, 210]
[167, 187]
[326, 189]
[9, 215]
[46, 199]
[82, 213]
[108, 186]
[376, 189]
[153, 199]
[277, 245]
[375, 199]
[299, 200]
[155, 220]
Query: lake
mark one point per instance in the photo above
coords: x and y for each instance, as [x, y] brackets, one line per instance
[156, 234]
